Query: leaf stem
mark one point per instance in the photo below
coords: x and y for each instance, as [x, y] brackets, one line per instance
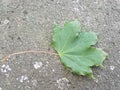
[30, 51]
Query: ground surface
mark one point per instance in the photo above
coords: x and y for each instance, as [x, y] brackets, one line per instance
[28, 25]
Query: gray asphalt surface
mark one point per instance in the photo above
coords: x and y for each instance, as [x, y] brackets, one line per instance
[28, 25]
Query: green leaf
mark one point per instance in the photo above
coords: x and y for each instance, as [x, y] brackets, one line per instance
[75, 48]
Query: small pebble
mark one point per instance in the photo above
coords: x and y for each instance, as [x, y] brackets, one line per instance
[23, 78]
[6, 21]
[0, 88]
[37, 65]
[5, 68]
[63, 83]
[112, 68]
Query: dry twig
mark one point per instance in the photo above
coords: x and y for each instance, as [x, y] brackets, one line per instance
[30, 51]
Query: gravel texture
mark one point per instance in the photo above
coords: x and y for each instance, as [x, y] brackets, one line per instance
[28, 25]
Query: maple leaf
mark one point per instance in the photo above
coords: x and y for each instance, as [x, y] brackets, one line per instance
[75, 48]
